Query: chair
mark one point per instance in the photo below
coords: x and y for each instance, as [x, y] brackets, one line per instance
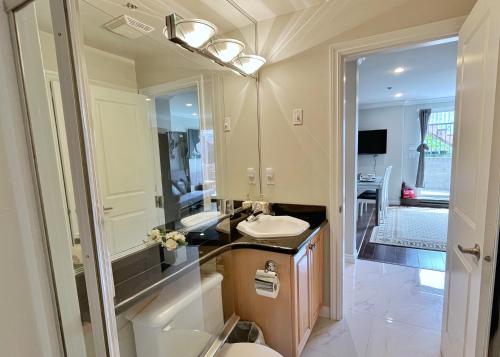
[370, 196]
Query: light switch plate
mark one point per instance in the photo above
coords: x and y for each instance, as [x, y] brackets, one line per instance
[297, 116]
[270, 176]
[227, 124]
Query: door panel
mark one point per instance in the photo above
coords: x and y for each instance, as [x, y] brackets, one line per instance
[469, 279]
[316, 253]
[459, 282]
[125, 167]
[302, 298]
[469, 128]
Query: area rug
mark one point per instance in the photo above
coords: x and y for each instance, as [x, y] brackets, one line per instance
[413, 227]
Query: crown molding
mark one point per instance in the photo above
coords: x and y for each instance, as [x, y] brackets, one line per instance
[408, 102]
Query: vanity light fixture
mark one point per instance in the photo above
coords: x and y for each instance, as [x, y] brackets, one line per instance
[226, 49]
[194, 34]
[249, 63]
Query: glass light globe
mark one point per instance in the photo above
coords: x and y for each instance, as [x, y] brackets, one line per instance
[249, 63]
[195, 32]
[225, 49]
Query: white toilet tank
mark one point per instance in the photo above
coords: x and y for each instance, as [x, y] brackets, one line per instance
[182, 319]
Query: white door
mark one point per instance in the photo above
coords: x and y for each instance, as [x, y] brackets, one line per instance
[125, 167]
[474, 191]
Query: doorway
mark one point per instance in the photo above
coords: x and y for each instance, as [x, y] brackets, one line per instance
[474, 205]
[185, 162]
[397, 293]
[403, 120]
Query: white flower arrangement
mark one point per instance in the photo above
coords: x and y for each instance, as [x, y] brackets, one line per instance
[170, 241]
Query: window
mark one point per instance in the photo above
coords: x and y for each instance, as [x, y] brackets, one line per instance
[439, 137]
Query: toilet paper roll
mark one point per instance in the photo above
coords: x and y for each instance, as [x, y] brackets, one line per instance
[267, 283]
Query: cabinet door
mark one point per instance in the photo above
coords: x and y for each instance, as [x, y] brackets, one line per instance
[316, 276]
[302, 298]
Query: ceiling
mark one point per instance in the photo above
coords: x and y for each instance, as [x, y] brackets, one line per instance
[429, 73]
[95, 13]
[267, 9]
[180, 104]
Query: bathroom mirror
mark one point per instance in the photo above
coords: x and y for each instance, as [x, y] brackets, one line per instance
[174, 133]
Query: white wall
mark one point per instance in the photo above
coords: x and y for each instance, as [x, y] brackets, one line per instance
[239, 146]
[392, 119]
[103, 67]
[27, 326]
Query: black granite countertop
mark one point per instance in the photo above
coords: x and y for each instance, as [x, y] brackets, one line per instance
[143, 272]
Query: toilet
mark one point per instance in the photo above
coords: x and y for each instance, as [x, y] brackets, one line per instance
[182, 319]
[246, 350]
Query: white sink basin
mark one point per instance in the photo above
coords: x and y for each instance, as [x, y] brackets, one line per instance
[273, 226]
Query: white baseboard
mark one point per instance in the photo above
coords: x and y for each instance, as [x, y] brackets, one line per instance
[349, 258]
[324, 312]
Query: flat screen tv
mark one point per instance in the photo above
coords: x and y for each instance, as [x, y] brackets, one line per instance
[372, 142]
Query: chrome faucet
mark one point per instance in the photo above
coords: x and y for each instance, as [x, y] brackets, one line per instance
[254, 216]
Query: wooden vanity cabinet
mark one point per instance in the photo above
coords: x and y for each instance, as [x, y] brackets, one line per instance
[286, 321]
[316, 270]
[307, 274]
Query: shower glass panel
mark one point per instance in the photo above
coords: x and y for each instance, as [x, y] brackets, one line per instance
[173, 137]
[42, 91]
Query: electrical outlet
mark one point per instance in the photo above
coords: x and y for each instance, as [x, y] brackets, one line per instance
[251, 175]
[227, 124]
[297, 116]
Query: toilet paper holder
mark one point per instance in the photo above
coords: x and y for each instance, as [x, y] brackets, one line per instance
[271, 266]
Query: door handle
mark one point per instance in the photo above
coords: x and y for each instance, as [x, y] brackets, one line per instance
[107, 209]
[476, 251]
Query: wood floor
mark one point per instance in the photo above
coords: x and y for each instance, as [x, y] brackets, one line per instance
[417, 258]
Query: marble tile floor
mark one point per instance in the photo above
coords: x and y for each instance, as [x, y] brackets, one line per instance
[390, 311]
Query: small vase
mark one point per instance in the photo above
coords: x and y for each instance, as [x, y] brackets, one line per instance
[177, 256]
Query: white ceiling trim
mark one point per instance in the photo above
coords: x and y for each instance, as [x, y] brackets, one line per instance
[400, 103]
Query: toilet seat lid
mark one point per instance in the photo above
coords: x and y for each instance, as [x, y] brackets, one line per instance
[247, 350]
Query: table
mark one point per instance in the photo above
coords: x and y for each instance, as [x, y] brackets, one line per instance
[376, 186]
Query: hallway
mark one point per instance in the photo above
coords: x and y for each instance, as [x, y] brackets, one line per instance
[390, 311]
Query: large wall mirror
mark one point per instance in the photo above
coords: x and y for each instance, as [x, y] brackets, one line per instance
[174, 132]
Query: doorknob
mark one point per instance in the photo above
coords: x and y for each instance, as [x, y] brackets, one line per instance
[476, 251]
